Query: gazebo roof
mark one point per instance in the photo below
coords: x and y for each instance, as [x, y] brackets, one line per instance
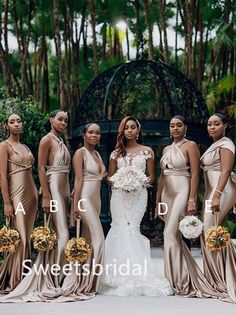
[150, 90]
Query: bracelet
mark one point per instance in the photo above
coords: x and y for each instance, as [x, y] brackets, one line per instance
[220, 192]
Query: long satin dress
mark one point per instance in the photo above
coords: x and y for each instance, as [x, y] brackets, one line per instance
[219, 266]
[84, 286]
[181, 269]
[22, 189]
[37, 286]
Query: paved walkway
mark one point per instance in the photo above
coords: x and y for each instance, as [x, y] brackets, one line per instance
[113, 305]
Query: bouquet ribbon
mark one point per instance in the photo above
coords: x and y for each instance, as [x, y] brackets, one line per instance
[78, 227]
[46, 220]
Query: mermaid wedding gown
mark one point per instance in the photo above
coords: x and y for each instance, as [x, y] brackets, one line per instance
[128, 268]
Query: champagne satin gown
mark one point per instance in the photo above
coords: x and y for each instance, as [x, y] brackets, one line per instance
[85, 286]
[181, 269]
[21, 189]
[37, 286]
[219, 266]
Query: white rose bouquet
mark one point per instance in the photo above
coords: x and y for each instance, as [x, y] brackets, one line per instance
[191, 227]
[129, 178]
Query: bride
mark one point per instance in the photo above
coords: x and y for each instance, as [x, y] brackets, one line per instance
[128, 269]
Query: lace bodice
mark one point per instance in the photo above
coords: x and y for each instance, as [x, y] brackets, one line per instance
[131, 159]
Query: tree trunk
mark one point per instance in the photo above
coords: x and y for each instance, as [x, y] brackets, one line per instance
[138, 29]
[46, 98]
[201, 52]
[162, 9]
[5, 64]
[93, 21]
[57, 39]
[104, 41]
[176, 35]
[149, 27]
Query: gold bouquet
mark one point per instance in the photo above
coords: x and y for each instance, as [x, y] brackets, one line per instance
[77, 250]
[9, 239]
[44, 238]
[217, 237]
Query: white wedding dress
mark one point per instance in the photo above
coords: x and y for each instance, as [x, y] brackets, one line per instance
[128, 268]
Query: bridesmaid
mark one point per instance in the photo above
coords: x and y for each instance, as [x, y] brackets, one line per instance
[53, 166]
[177, 189]
[89, 171]
[17, 186]
[217, 163]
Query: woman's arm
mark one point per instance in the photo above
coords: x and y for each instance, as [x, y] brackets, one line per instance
[226, 162]
[8, 209]
[194, 162]
[159, 192]
[111, 170]
[44, 148]
[151, 167]
[78, 165]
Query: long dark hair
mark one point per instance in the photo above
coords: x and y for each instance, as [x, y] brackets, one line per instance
[121, 141]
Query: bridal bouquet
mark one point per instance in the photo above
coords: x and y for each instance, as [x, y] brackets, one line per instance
[191, 227]
[9, 240]
[129, 178]
[77, 250]
[217, 237]
[44, 238]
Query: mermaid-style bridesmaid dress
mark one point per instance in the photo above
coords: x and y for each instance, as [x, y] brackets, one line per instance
[41, 287]
[181, 269]
[21, 189]
[219, 266]
[85, 286]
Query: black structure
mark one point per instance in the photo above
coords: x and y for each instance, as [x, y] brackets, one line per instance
[150, 90]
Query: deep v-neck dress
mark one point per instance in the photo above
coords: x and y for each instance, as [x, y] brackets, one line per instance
[84, 285]
[181, 269]
[43, 287]
[22, 190]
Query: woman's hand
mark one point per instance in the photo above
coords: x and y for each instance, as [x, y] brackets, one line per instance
[160, 211]
[105, 175]
[77, 214]
[8, 210]
[215, 203]
[46, 203]
[191, 208]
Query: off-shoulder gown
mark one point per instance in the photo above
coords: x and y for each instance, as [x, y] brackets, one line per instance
[128, 267]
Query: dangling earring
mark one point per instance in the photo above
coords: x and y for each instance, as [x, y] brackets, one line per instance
[224, 133]
[137, 136]
[171, 136]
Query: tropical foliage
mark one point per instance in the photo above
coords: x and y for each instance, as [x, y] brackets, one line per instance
[60, 46]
